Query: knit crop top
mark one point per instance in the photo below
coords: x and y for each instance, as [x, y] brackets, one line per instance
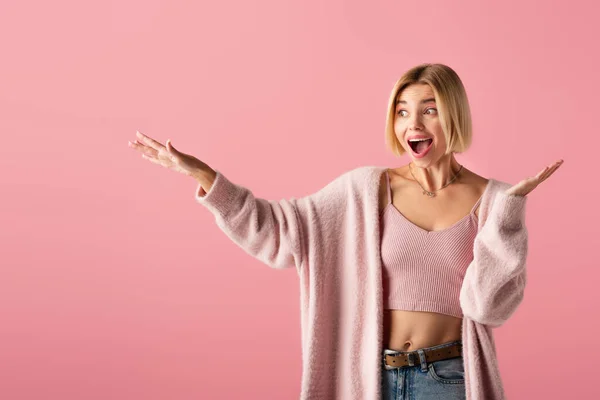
[424, 270]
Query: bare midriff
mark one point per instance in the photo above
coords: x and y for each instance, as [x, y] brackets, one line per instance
[411, 330]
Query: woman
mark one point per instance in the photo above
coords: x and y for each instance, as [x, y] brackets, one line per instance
[430, 258]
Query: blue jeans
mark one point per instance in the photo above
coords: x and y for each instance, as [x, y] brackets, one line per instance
[439, 380]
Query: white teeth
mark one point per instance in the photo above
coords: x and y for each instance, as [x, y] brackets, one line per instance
[418, 140]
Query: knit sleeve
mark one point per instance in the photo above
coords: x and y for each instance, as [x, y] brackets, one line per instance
[276, 232]
[494, 282]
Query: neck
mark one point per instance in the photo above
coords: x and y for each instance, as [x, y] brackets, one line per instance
[435, 176]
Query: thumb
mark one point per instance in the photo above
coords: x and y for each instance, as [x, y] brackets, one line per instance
[170, 147]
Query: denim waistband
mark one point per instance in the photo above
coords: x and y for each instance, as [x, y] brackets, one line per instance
[419, 358]
[436, 347]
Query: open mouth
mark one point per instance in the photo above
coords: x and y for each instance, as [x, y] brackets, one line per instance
[419, 145]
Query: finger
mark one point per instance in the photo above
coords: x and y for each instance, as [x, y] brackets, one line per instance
[176, 155]
[144, 149]
[553, 167]
[149, 141]
[546, 172]
[173, 153]
[168, 165]
[153, 160]
[541, 173]
[550, 170]
[136, 145]
[171, 148]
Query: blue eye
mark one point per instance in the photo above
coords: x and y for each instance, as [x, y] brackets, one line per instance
[431, 109]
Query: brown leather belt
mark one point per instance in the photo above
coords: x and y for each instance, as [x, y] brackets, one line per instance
[411, 358]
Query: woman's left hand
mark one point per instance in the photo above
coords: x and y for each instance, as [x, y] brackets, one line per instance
[528, 184]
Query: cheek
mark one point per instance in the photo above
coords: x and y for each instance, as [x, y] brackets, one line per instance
[399, 131]
[436, 129]
[399, 127]
[435, 125]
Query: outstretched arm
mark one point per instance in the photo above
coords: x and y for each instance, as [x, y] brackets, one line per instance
[278, 233]
[266, 229]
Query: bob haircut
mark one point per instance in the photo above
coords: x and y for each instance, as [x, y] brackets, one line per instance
[451, 100]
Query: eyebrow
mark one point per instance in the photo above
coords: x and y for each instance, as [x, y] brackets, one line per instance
[422, 101]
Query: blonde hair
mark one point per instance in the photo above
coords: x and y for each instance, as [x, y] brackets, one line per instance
[452, 103]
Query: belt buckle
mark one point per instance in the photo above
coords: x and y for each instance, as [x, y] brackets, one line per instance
[385, 364]
[409, 356]
[411, 361]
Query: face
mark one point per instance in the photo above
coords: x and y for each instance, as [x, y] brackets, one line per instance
[417, 118]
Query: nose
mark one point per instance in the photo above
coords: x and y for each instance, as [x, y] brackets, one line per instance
[415, 123]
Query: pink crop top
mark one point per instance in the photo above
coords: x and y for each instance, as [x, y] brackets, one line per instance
[424, 270]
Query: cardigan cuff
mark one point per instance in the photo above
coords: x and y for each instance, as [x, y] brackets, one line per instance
[509, 210]
[220, 197]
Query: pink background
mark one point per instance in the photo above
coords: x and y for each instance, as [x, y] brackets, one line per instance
[116, 285]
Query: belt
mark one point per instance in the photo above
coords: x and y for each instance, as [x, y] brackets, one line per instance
[411, 358]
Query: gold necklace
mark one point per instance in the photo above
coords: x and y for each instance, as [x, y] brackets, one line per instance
[427, 192]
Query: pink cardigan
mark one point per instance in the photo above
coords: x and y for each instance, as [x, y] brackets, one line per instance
[332, 237]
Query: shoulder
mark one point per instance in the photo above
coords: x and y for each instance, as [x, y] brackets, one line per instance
[503, 206]
[495, 187]
[364, 172]
[367, 183]
[354, 183]
[499, 185]
[362, 177]
[397, 177]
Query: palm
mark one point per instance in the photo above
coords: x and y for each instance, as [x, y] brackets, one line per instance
[167, 156]
[528, 184]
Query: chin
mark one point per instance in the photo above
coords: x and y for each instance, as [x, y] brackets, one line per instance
[426, 161]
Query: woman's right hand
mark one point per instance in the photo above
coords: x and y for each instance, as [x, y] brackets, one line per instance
[169, 157]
